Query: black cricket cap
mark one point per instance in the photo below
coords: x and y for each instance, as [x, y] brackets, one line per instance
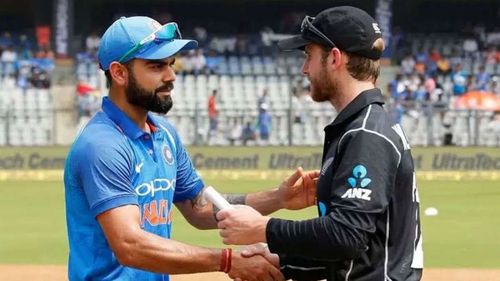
[349, 28]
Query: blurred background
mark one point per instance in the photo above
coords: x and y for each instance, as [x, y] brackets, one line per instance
[243, 109]
[441, 73]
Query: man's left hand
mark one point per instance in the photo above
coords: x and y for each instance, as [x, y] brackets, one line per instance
[299, 190]
[242, 225]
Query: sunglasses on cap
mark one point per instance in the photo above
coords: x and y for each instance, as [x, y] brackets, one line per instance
[307, 28]
[167, 32]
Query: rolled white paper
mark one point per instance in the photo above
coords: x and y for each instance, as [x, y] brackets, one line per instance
[213, 196]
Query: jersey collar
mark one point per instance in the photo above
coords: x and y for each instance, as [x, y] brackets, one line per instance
[124, 122]
[364, 99]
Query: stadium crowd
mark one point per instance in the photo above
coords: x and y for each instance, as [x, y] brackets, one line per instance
[434, 71]
[24, 63]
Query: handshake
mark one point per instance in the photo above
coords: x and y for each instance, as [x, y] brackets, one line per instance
[255, 262]
[244, 225]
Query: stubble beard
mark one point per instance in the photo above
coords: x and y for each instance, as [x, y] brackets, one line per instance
[322, 88]
[149, 100]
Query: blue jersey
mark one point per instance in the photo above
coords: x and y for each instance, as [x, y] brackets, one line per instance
[114, 163]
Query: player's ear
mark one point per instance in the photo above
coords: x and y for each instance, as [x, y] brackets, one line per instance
[337, 57]
[119, 73]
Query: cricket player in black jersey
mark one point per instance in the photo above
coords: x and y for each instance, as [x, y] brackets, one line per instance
[368, 227]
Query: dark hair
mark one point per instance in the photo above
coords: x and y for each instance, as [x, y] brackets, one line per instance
[362, 68]
[325, 52]
[109, 79]
[359, 67]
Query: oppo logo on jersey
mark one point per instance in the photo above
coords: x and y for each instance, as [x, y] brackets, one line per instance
[153, 186]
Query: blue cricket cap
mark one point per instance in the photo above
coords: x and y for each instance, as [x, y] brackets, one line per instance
[125, 33]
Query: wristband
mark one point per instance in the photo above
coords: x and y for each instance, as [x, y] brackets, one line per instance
[225, 260]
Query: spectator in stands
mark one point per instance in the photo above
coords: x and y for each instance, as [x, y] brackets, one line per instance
[479, 33]
[459, 78]
[393, 93]
[406, 94]
[189, 62]
[84, 98]
[39, 78]
[443, 66]
[212, 61]
[435, 55]
[200, 35]
[415, 80]
[495, 87]
[92, 44]
[264, 121]
[45, 53]
[300, 101]
[398, 112]
[470, 47]
[241, 47]
[430, 86]
[482, 79]
[408, 65]
[9, 55]
[212, 117]
[493, 55]
[24, 75]
[25, 48]
[199, 62]
[420, 93]
[248, 133]
[455, 58]
[396, 86]
[471, 83]
[493, 38]
[234, 132]
[421, 61]
[263, 99]
[179, 64]
[5, 40]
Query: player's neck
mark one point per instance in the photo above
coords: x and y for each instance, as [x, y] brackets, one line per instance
[137, 114]
[348, 91]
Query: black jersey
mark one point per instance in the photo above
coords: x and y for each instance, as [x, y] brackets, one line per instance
[369, 225]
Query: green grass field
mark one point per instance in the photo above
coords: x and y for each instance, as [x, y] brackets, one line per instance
[466, 233]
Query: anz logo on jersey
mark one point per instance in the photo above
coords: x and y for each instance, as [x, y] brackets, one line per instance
[358, 183]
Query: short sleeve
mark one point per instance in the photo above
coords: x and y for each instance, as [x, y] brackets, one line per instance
[104, 172]
[188, 182]
[365, 177]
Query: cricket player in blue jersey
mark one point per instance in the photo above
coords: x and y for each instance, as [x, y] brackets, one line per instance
[128, 167]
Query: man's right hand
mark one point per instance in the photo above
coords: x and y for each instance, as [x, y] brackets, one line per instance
[255, 268]
[263, 250]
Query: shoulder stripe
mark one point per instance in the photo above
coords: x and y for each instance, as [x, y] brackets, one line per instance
[386, 277]
[349, 271]
[375, 133]
[363, 128]
[302, 268]
[172, 140]
[366, 117]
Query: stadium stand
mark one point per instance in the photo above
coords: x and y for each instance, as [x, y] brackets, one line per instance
[422, 95]
[435, 72]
